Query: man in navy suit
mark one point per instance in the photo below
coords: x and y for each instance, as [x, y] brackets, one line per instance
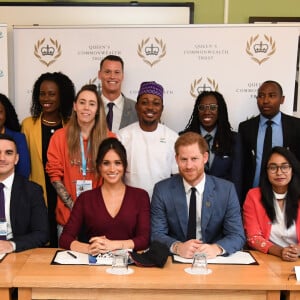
[219, 229]
[111, 74]
[24, 219]
[285, 132]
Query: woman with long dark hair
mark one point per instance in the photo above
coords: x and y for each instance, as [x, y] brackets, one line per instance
[210, 119]
[114, 215]
[272, 210]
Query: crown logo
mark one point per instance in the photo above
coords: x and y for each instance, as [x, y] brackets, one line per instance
[43, 50]
[1, 73]
[260, 50]
[151, 52]
[197, 87]
[48, 50]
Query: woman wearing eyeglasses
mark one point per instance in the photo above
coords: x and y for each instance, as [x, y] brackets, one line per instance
[210, 119]
[272, 211]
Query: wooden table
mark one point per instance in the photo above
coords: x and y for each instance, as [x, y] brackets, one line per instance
[284, 271]
[9, 267]
[38, 279]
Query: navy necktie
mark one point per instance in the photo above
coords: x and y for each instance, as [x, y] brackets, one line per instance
[208, 137]
[191, 232]
[267, 144]
[2, 208]
[110, 115]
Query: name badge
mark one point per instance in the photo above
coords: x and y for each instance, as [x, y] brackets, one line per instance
[3, 228]
[82, 186]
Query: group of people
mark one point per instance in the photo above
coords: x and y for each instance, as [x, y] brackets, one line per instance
[107, 174]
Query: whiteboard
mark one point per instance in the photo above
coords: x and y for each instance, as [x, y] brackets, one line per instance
[133, 13]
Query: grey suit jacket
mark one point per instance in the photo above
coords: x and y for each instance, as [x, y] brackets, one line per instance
[221, 220]
[129, 114]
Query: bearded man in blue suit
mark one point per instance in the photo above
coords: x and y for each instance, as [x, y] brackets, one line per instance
[218, 228]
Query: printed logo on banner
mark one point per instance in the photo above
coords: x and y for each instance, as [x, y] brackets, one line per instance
[199, 85]
[152, 51]
[47, 52]
[260, 49]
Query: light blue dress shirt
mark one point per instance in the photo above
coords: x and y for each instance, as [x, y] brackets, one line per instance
[277, 140]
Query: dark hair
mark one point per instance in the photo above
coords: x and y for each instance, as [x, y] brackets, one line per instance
[113, 58]
[4, 136]
[272, 82]
[11, 118]
[223, 141]
[66, 94]
[293, 191]
[111, 144]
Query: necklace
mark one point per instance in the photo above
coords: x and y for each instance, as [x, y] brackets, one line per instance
[50, 122]
[279, 196]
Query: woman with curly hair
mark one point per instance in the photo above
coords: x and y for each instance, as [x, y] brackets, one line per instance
[73, 150]
[9, 124]
[210, 119]
[272, 210]
[52, 99]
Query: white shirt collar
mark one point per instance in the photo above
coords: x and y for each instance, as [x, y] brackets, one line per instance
[199, 187]
[119, 102]
[9, 181]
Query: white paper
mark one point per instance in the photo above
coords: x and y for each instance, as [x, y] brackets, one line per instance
[297, 271]
[64, 258]
[239, 257]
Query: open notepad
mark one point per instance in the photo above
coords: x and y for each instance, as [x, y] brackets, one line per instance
[237, 258]
[68, 257]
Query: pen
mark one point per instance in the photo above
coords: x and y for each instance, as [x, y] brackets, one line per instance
[71, 254]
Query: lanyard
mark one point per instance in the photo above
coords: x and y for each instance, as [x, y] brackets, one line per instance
[83, 157]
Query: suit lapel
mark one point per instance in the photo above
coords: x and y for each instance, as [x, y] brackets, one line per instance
[37, 132]
[253, 131]
[285, 130]
[180, 204]
[126, 112]
[207, 203]
[16, 191]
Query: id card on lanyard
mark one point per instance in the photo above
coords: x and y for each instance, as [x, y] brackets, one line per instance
[83, 185]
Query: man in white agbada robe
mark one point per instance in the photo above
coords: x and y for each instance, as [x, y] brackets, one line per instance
[149, 144]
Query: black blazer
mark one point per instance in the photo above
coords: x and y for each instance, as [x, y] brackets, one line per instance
[248, 132]
[229, 167]
[28, 214]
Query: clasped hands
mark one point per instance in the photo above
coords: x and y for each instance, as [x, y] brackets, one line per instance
[290, 253]
[189, 248]
[100, 244]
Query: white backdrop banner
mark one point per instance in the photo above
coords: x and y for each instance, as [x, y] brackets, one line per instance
[233, 59]
[3, 60]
